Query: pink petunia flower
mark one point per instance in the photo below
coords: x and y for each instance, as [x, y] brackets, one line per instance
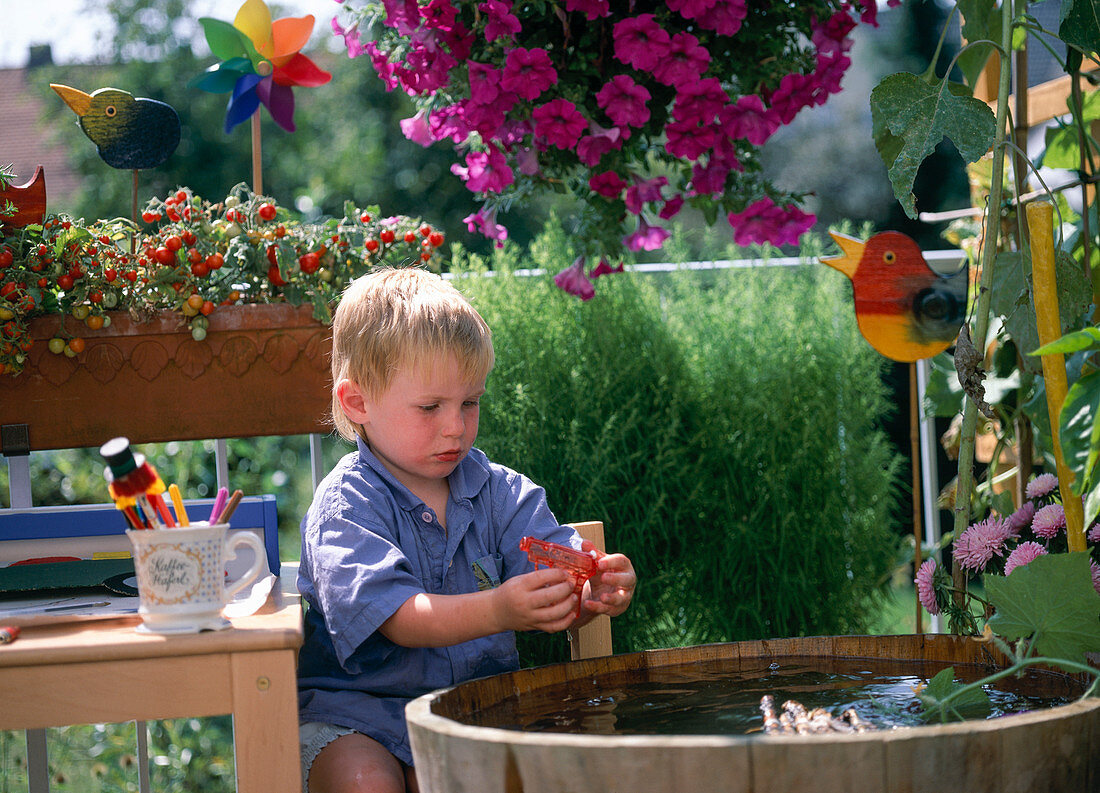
[449, 122]
[684, 63]
[763, 222]
[439, 14]
[487, 171]
[624, 101]
[710, 179]
[699, 102]
[591, 8]
[1022, 554]
[1095, 568]
[640, 42]
[608, 184]
[485, 223]
[688, 141]
[417, 129]
[574, 281]
[748, 118]
[725, 17]
[926, 591]
[604, 268]
[1021, 518]
[643, 191]
[484, 83]
[350, 35]
[691, 9]
[527, 161]
[528, 73]
[597, 143]
[672, 207]
[559, 122]
[793, 223]
[832, 36]
[646, 237]
[1048, 521]
[502, 23]
[981, 541]
[1041, 486]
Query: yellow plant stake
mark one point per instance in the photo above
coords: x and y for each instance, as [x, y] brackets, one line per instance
[1040, 222]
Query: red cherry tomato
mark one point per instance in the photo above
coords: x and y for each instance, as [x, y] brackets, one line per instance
[309, 262]
[189, 238]
[387, 236]
[436, 239]
[173, 242]
[214, 261]
[194, 255]
[274, 277]
[266, 211]
[199, 269]
[164, 256]
[65, 282]
[371, 245]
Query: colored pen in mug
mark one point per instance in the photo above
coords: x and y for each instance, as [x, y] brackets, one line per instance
[219, 505]
[177, 501]
[230, 507]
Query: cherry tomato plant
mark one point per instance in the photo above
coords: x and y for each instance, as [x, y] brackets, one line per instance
[191, 256]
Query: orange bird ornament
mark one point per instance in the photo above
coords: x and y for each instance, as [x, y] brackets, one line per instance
[905, 309]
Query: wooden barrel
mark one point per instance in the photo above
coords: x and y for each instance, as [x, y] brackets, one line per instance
[1056, 750]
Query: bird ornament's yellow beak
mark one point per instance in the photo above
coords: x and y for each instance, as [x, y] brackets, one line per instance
[848, 263]
[77, 100]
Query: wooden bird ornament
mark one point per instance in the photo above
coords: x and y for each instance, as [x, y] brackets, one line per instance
[28, 200]
[905, 309]
[129, 133]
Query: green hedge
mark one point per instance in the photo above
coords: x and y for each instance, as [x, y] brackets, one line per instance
[724, 426]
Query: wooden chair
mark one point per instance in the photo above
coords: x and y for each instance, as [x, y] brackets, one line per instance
[594, 639]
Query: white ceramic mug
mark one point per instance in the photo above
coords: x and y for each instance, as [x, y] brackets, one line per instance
[181, 575]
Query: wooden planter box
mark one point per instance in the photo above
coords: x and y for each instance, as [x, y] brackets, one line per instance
[261, 370]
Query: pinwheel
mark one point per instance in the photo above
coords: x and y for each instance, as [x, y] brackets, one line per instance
[260, 63]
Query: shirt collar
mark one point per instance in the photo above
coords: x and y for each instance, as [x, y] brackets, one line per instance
[468, 478]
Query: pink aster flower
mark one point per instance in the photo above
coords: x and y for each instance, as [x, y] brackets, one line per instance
[485, 222]
[1022, 554]
[604, 268]
[486, 171]
[976, 546]
[748, 118]
[1021, 518]
[1041, 486]
[926, 591]
[643, 191]
[559, 122]
[591, 8]
[640, 42]
[574, 281]
[1095, 568]
[1048, 521]
[1094, 533]
[528, 73]
[624, 101]
[684, 63]
[608, 184]
[646, 237]
[724, 17]
[502, 23]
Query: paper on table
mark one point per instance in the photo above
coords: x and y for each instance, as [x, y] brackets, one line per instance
[250, 603]
[97, 605]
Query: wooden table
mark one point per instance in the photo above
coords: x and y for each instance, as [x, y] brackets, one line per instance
[104, 671]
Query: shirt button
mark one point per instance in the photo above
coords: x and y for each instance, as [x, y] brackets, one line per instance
[427, 516]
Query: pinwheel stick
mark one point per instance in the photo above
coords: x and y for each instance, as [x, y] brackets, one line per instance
[257, 168]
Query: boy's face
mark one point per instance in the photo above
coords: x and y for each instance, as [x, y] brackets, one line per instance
[424, 422]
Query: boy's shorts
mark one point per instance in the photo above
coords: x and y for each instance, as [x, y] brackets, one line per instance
[313, 736]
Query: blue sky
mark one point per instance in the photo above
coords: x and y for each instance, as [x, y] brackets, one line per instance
[71, 29]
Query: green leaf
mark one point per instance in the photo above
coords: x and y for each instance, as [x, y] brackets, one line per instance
[1052, 600]
[981, 22]
[1080, 431]
[1080, 24]
[1084, 339]
[1063, 143]
[942, 702]
[911, 115]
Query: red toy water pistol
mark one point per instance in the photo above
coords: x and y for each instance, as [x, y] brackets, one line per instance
[580, 565]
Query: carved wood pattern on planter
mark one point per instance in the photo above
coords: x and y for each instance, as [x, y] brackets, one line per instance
[261, 370]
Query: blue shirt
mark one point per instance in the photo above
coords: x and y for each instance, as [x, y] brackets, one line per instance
[368, 545]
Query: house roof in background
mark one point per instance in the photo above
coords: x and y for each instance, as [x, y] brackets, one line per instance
[27, 142]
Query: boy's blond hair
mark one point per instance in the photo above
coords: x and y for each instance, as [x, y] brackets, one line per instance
[391, 318]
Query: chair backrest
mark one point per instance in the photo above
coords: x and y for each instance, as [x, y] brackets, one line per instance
[594, 639]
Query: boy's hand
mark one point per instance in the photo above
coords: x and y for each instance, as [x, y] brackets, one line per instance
[542, 600]
[610, 590]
